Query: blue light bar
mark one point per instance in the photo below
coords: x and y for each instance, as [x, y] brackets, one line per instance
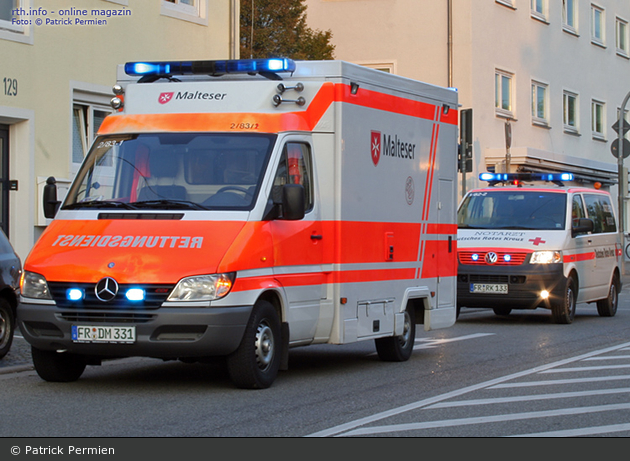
[229, 66]
[503, 177]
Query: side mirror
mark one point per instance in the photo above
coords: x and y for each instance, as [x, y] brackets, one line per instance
[293, 202]
[581, 226]
[51, 204]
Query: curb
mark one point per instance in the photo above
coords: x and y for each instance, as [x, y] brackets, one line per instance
[15, 369]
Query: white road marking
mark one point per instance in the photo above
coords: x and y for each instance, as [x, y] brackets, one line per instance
[486, 419]
[555, 382]
[436, 342]
[580, 432]
[351, 425]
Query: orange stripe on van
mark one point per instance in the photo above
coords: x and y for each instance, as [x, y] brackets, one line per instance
[267, 122]
[579, 257]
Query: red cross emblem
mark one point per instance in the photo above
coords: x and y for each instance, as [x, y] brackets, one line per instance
[537, 241]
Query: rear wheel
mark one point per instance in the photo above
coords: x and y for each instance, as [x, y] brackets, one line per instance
[255, 364]
[607, 307]
[398, 348]
[7, 326]
[59, 367]
[563, 309]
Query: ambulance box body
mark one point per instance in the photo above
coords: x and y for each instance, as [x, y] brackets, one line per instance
[244, 211]
[538, 244]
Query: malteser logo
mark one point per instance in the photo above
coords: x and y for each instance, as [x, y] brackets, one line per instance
[165, 97]
[390, 146]
[376, 147]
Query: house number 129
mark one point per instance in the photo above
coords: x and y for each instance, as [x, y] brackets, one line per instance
[10, 86]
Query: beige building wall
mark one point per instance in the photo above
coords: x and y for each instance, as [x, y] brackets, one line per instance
[411, 38]
[56, 73]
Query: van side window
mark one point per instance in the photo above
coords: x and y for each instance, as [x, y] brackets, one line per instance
[600, 211]
[577, 211]
[295, 167]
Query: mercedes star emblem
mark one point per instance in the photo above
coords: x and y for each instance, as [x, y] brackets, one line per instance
[106, 289]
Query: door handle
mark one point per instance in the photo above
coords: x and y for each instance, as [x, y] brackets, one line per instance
[316, 237]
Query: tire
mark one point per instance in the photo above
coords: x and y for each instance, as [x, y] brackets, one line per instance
[7, 327]
[399, 348]
[607, 307]
[58, 367]
[255, 364]
[502, 311]
[563, 309]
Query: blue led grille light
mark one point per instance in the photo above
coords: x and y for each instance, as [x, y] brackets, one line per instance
[135, 294]
[75, 294]
[502, 177]
[229, 66]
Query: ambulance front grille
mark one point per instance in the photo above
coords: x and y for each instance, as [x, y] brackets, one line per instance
[102, 317]
[155, 295]
[484, 278]
[515, 259]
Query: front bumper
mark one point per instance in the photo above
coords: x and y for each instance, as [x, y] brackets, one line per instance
[168, 333]
[524, 285]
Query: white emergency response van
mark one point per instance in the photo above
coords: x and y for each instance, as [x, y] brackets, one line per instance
[241, 208]
[531, 241]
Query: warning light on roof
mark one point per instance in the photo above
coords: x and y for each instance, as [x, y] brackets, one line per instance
[215, 68]
[518, 178]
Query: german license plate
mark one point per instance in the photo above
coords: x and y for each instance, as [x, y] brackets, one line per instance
[491, 288]
[103, 334]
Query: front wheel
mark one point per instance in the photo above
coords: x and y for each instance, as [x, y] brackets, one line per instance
[563, 309]
[607, 307]
[58, 367]
[399, 348]
[255, 364]
[7, 326]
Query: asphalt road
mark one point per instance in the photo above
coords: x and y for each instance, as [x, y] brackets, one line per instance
[488, 376]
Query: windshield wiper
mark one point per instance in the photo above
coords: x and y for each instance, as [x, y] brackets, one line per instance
[167, 204]
[99, 204]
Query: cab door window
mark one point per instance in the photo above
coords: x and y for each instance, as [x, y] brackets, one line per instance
[600, 210]
[295, 167]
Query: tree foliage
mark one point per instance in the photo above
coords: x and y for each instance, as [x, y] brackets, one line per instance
[280, 30]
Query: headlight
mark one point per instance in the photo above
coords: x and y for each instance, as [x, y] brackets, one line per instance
[34, 285]
[202, 287]
[546, 257]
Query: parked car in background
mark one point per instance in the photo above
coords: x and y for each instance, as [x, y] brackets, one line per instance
[10, 272]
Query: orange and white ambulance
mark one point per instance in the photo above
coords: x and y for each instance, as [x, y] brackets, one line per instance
[534, 240]
[241, 208]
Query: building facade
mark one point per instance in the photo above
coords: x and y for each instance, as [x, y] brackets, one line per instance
[58, 68]
[551, 74]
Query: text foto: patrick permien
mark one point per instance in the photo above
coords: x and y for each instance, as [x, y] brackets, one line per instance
[70, 449]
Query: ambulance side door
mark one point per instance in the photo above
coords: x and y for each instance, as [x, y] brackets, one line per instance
[583, 250]
[299, 244]
[602, 241]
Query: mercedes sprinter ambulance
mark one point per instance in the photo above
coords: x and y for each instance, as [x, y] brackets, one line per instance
[241, 208]
[531, 241]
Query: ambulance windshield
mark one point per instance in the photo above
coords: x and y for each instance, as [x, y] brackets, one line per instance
[172, 171]
[514, 209]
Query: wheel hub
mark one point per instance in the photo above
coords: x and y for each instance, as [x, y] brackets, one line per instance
[264, 346]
